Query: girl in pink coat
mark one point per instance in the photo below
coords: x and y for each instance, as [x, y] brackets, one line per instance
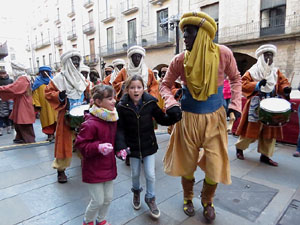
[96, 141]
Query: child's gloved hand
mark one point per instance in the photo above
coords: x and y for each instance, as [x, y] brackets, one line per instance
[105, 148]
[123, 153]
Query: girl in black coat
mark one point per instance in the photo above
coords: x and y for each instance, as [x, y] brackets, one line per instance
[136, 131]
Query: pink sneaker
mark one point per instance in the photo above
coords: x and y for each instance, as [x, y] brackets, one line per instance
[104, 222]
[90, 223]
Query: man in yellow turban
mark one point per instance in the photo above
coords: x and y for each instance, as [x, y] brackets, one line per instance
[200, 137]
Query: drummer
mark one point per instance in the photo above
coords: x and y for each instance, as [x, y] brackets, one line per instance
[262, 80]
[64, 92]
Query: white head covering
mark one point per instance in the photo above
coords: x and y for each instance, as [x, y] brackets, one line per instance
[116, 70]
[18, 69]
[141, 69]
[84, 68]
[261, 70]
[70, 79]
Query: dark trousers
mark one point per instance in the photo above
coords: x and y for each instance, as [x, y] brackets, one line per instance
[4, 122]
[25, 132]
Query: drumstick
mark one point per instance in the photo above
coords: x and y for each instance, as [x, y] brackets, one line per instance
[52, 81]
[292, 79]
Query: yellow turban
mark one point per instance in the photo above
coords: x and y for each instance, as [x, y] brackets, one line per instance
[201, 64]
[199, 19]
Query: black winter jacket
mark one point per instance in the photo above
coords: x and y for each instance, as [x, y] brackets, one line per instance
[136, 129]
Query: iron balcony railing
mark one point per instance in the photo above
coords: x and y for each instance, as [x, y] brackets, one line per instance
[146, 41]
[268, 27]
[72, 35]
[58, 41]
[88, 28]
[88, 3]
[91, 60]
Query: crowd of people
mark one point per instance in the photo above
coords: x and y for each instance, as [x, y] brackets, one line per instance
[125, 107]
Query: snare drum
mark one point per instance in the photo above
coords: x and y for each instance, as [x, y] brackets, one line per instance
[274, 111]
[76, 115]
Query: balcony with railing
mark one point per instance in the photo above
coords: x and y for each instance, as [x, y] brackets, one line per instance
[57, 65]
[72, 36]
[128, 7]
[289, 25]
[58, 41]
[149, 41]
[71, 14]
[41, 44]
[88, 3]
[91, 60]
[3, 50]
[107, 17]
[272, 25]
[57, 21]
[157, 2]
[88, 28]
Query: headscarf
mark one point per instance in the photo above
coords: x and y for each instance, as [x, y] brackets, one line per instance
[141, 69]
[40, 80]
[84, 68]
[70, 79]
[261, 70]
[114, 74]
[18, 69]
[201, 64]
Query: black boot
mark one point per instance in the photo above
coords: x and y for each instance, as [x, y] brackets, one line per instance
[61, 177]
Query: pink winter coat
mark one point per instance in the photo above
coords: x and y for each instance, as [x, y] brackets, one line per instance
[96, 168]
[226, 89]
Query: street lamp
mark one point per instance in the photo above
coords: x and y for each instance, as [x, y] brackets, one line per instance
[171, 24]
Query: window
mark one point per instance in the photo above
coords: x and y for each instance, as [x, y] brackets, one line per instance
[131, 32]
[92, 48]
[91, 16]
[60, 51]
[162, 19]
[213, 11]
[110, 39]
[38, 62]
[74, 46]
[72, 6]
[50, 59]
[73, 26]
[44, 60]
[57, 13]
[272, 17]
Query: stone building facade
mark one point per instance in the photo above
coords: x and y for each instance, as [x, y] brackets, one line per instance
[103, 30]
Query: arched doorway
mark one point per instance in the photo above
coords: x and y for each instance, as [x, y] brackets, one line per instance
[244, 61]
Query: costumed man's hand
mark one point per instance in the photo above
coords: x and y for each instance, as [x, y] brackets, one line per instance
[62, 95]
[174, 113]
[236, 113]
[287, 91]
[263, 82]
[105, 148]
[178, 93]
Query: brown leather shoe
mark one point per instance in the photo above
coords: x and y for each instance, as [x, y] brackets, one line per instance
[61, 177]
[267, 160]
[209, 212]
[188, 207]
[240, 154]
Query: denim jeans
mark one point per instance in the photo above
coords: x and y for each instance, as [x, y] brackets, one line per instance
[149, 170]
[298, 143]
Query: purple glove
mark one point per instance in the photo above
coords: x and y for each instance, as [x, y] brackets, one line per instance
[123, 153]
[105, 148]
